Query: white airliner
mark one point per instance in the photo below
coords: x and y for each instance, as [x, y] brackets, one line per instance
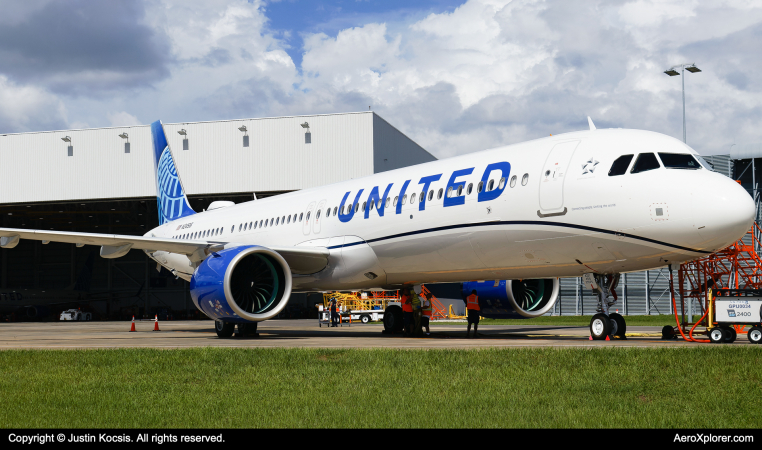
[601, 202]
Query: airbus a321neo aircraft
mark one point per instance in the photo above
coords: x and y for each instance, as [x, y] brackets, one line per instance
[598, 202]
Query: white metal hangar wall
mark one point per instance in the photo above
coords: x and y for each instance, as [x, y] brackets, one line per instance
[221, 157]
[102, 180]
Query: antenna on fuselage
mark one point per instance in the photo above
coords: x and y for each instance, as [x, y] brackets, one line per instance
[590, 122]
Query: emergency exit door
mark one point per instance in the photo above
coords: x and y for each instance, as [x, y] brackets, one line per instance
[553, 175]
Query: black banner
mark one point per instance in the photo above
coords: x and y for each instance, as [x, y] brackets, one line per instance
[211, 437]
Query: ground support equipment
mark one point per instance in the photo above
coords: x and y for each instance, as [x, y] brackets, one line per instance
[736, 269]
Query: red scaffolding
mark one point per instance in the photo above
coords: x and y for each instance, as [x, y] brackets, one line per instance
[738, 266]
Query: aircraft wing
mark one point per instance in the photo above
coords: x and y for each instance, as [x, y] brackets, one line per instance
[302, 260]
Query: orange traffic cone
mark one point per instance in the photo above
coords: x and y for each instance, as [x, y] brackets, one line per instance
[591, 338]
[132, 328]
[156, 323]
[607, 338]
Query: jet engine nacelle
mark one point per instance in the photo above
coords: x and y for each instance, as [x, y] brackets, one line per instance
[528, 298]
[242, 284]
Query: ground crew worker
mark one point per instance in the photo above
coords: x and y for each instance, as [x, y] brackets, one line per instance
[334, 313]
[472, 305]
[417, 314]
[427, 311]
[407, 311]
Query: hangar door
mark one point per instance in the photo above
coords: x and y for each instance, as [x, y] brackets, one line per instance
[554, 172]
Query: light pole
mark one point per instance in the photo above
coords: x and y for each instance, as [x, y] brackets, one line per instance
[672, 72]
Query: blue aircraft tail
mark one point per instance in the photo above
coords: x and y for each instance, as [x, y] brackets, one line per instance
[172, 202]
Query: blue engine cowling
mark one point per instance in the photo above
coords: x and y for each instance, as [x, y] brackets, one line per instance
[242, 284]
[514, 299]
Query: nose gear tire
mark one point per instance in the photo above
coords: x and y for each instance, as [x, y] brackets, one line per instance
[600, 327]
[621, 325]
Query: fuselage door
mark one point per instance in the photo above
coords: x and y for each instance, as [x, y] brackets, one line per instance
[319, 215]
[553, 175]
[307, 220]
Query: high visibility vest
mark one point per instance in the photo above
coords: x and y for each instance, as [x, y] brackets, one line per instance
[416, 301]
[427, 311]
[472, 302]
[406, 307]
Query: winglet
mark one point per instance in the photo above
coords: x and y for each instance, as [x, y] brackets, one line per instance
[590, 122]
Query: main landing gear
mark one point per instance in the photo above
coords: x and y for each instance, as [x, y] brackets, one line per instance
[605, 324]
[226, 329]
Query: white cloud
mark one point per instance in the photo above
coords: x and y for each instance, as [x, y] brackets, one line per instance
[485, 74]
[122, 118]
[28, 108]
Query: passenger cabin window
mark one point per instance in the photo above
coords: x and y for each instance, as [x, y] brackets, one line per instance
[645, 162]
[679, 161]
[513, 181]
[395, 201]
[470, 188]
[404, 199]
[620, 165]
[308, 217]
[525, 179]
[479, 187]
[491, 185]
[300, 216]
[431, 194]
[439, 194]
[412, 199]
[386, 205]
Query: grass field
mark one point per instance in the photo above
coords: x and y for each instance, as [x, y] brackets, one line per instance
[710, 386]
[654, 321]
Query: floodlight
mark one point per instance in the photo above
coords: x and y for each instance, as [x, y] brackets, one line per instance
[692, 68]
[672, 72]
[305, 125]
[66, 139]
[182, 132]
[123, 136]
[242, 128]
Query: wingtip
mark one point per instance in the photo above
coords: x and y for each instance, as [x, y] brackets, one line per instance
[590, 122]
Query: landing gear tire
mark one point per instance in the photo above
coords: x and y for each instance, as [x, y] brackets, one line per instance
[620, 330]
[393, 319]
[668, 333]
[755, 335]
[247, 329]
[600, 327]
[364, 319]
[730, 335]
[224, 329]
[716, 335]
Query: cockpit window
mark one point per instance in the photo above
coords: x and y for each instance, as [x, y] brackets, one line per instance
[645, 162]
[679, 161]
[620, 165]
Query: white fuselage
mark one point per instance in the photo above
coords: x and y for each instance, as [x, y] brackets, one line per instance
[567, 218]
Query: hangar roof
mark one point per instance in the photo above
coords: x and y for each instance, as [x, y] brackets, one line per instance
[282, 155]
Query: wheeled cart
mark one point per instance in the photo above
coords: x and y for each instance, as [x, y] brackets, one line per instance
[733, 310]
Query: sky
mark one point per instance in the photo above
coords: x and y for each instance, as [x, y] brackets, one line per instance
[455, 76]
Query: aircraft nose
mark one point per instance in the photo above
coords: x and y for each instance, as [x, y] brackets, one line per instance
[725, 213]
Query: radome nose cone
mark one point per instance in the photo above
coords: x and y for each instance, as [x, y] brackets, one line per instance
[725, 215]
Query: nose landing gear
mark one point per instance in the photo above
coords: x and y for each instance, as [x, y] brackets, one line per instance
[605, 324]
